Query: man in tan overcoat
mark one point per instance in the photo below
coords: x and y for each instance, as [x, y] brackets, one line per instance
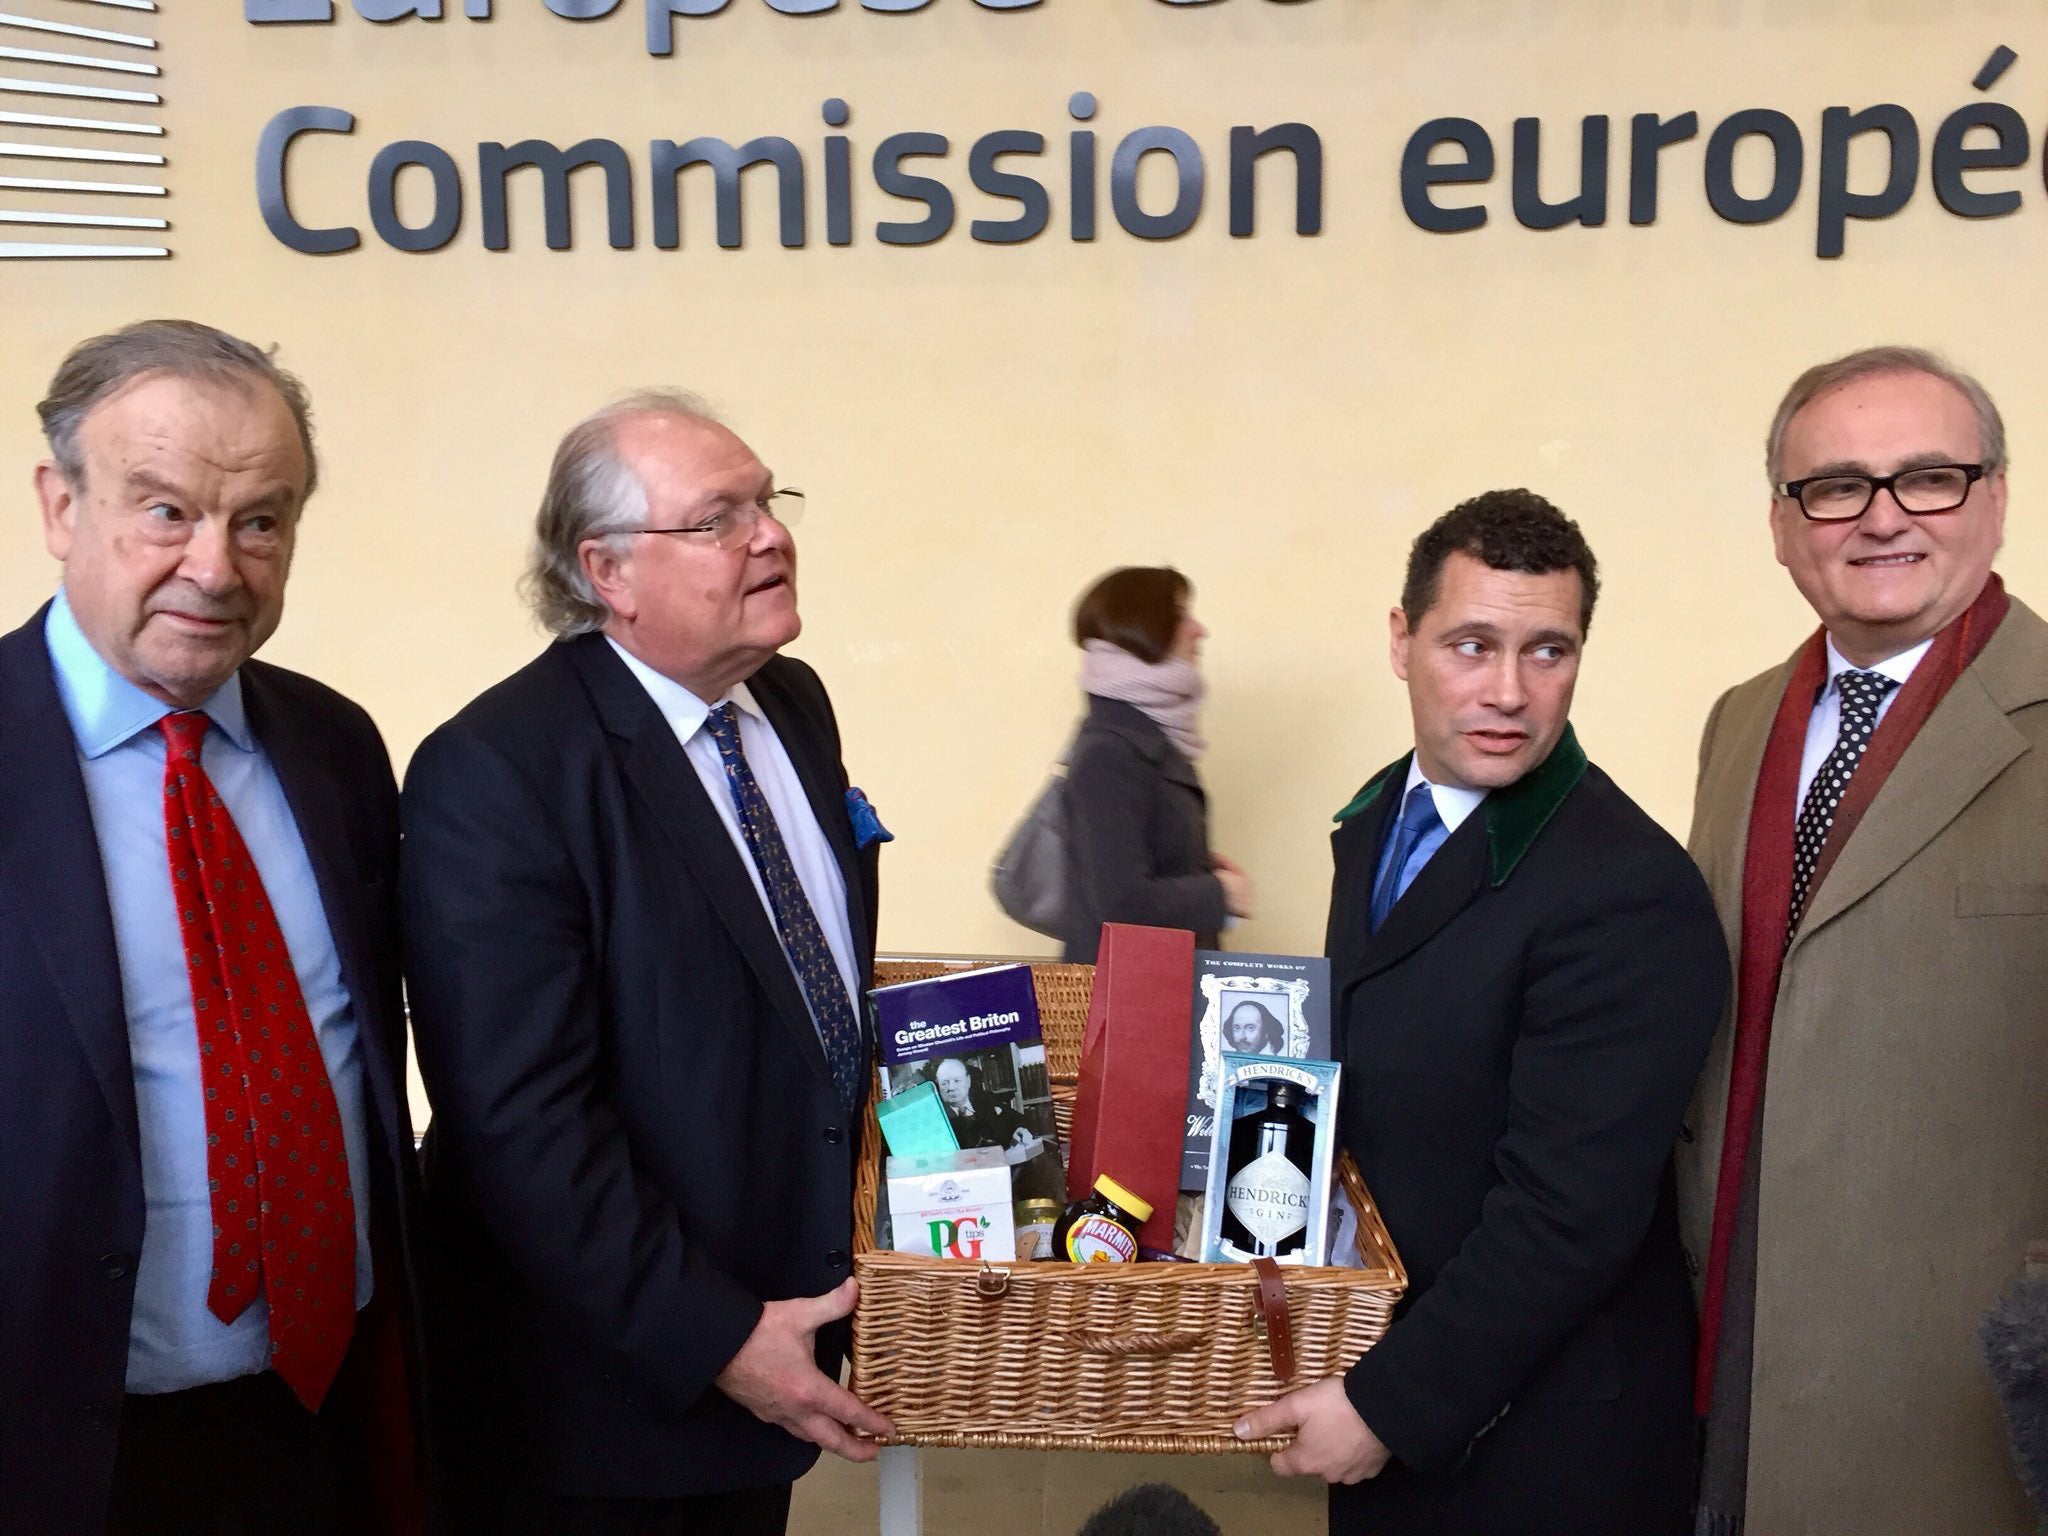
[1868, 1150]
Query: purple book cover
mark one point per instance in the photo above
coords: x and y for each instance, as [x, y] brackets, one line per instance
[952, 1014]
[975, 1036]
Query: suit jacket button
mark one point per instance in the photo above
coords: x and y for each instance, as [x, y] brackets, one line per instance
[115, 1265]
[1692, 1263]
[834, 1135]
[836, 1259]
[1685, 1133]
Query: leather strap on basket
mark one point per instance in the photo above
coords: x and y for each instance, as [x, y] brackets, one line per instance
[1278, 1330]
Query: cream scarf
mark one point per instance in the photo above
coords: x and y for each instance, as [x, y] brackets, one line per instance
[1168, 693]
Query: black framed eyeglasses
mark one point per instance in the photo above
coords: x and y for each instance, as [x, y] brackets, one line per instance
[1924, 491]
[730, 527]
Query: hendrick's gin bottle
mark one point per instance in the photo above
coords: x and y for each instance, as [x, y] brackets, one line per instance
[1266, 1191]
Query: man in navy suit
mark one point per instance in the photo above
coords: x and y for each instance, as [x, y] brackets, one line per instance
[1527, 972]
[206, 1162]
[639, 916]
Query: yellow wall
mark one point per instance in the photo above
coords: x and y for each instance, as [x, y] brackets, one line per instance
[984, 428]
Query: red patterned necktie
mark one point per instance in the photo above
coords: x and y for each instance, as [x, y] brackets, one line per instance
[276, 1165]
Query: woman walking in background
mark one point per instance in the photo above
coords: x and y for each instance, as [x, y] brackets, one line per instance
[1137, 820]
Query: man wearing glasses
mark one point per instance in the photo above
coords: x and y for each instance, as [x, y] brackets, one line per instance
[637, 915]
[1866, 1159]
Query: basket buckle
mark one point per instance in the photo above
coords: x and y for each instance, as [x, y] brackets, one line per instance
[991, 1282]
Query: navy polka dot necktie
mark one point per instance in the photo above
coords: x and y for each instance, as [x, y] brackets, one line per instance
[803, 940]
[1862, 694]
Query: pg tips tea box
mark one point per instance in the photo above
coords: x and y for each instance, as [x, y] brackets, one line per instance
[953, 1205]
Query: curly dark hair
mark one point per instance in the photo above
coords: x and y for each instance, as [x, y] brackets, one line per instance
[1513, 530]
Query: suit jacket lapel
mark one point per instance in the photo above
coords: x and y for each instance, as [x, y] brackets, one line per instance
[820, 777]
[656, 766]
[1443, 888]
[50, 864]
[1965, 744]
[1484, 850]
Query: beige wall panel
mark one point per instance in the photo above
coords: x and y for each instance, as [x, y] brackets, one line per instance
[984, 428]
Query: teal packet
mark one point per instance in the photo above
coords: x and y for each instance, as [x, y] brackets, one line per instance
[914, 1123]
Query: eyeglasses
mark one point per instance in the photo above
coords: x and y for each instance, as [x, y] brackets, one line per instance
[731, 527]
[1923, 492]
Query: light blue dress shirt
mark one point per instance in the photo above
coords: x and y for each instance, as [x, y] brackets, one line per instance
[174, 1342]
[1452, 807]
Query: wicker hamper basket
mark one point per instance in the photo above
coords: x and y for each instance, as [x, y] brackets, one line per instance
[1116, 1357]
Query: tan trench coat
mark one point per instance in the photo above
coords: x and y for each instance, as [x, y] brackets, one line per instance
[1905, 1160]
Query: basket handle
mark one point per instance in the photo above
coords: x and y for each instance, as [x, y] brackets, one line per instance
[1118, 1346]
[1270, 1322]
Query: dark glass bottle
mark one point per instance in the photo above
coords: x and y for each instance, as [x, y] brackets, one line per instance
[1266, 1188]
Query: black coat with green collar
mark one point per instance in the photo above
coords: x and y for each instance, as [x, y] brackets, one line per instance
[1519, 1042]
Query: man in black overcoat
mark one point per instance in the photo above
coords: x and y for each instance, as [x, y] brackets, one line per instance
[1527, 973]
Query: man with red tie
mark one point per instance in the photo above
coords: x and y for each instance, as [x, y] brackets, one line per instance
[206, 1161]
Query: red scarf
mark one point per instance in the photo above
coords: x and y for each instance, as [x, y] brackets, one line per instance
[1767, 892]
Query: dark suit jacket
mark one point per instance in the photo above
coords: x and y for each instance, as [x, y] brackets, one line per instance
[1137, 833]
[1519, 1041]
[71, 1200]
[636, 1140]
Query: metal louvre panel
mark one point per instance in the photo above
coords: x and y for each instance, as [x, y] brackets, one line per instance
[49, 211]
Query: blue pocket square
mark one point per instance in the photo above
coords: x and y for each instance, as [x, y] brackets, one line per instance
[867, 826]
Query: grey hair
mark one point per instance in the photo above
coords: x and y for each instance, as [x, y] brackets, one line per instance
[592, 493]
[1868, 363]
[181, 348]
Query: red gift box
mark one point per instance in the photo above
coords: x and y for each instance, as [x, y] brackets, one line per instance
[1130, 1103]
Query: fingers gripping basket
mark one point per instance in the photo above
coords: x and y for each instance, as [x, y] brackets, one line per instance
[1110, 1357]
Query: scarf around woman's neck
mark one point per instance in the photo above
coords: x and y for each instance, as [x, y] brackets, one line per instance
[1168, 693]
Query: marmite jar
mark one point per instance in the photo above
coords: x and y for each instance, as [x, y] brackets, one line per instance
[1101, 1228]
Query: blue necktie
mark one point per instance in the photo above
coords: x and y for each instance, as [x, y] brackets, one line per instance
[1418, 820]
[802, 939]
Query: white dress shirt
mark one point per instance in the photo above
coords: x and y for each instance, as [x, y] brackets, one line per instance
[1452, 805]
[1825, 723]
[817, 870]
